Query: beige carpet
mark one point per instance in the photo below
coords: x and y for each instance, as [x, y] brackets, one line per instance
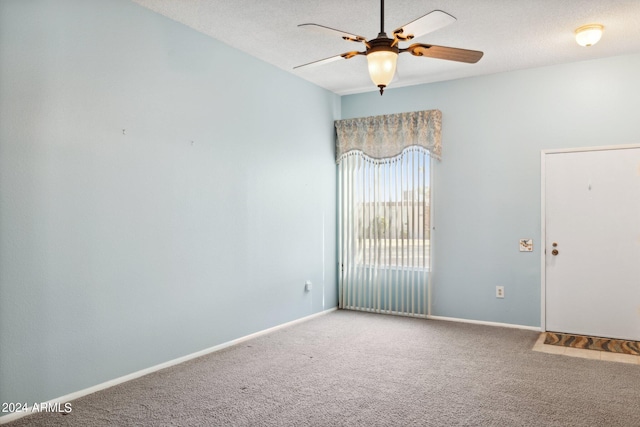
[359, 369]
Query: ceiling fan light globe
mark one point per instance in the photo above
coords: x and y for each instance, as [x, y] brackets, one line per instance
[382, 66]
[588, 35]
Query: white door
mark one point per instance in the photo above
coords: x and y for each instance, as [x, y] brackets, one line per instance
[592, 220]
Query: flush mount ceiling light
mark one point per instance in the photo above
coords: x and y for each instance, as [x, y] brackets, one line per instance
[382, 52]
[588, 35]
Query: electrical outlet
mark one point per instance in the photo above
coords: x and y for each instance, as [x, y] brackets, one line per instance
[308, 286]
[499, 291]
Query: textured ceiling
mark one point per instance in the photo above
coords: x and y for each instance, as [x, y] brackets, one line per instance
[513, 34]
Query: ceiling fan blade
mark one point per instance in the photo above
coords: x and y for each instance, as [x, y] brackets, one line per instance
[428, 23]
[347, 36]
[443, 52]
[346, 55]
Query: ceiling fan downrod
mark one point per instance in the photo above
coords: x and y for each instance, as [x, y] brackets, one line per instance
[382, 17]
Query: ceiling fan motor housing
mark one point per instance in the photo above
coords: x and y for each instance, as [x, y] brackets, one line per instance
[382, 43]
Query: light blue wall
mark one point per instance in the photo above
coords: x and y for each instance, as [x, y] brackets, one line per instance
[487, 187]
[120, 252]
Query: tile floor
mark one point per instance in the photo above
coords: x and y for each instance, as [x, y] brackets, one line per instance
[586, 354]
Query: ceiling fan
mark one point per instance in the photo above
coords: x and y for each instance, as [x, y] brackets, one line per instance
[382, 52]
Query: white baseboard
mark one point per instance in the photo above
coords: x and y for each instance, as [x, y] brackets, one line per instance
[482, 322]
[75, 395]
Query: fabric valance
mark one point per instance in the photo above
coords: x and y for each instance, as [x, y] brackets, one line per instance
[386, 136]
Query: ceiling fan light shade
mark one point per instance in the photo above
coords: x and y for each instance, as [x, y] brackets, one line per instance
[588, 35]
[382, 66]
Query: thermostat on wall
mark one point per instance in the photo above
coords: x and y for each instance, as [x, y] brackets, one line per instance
[526, 245]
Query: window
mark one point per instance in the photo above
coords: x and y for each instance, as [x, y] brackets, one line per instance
[383, 210]
[384, 230]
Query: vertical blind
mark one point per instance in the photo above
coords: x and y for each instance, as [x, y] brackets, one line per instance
[384, 211]
[384, 232]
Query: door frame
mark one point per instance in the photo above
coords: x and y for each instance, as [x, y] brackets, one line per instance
[543, 217]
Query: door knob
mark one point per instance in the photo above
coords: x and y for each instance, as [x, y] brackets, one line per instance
[554, 252]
